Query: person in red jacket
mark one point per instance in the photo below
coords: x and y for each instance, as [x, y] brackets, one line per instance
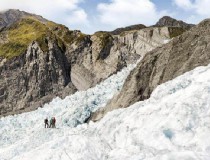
[54, 121]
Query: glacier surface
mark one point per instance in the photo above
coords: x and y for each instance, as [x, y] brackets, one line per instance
[174, 124]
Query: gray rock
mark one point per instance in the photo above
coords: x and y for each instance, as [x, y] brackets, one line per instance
[34, 78]
[104, 54]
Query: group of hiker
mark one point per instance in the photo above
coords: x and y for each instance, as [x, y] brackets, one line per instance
[52, 123]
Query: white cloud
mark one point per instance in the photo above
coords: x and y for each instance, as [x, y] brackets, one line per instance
[119, 13]
[202, 7]
[78, 17]
[199, 7]
[184, 4]
[194, 19]
[61, 11]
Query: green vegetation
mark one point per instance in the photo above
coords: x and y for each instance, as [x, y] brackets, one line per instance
[21, 34]
[176, 31]
[104, 37]
[68, 37]
[29, 29]
[80, 38]
[124, 33]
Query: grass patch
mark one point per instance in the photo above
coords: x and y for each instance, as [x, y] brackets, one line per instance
[29, 29]
[104, 37]
[21, 34]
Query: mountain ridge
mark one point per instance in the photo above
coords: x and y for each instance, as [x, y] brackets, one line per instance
[50, 60]
[13, 15]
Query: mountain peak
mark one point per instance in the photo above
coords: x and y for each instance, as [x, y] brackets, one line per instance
[204, 23]
[13, 15]
[171, 22]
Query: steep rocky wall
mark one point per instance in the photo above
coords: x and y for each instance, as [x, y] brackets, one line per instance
[34, 78]
[184, 53]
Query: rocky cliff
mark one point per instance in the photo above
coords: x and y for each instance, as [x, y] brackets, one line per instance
[105, 54]
[40, 59]
[182, 54]
[34, 78]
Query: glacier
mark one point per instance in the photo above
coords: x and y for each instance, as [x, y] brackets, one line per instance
[173, 124]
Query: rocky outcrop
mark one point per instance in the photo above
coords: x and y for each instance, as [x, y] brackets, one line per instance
[182, 54]
[55, 61]
[168, 21]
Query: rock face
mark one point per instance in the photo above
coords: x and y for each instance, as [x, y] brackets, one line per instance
[33, 78]
[182, 54]
[55, 61]
[105, 54]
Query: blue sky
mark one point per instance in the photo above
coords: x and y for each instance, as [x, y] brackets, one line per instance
[90, 16]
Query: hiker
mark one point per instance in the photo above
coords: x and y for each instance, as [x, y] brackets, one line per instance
[52, 122]
[46, 125]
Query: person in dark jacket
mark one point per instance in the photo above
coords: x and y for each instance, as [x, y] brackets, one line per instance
[51, 123]
[46, 125]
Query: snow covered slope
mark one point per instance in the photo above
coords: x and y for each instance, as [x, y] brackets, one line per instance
[174, 124]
